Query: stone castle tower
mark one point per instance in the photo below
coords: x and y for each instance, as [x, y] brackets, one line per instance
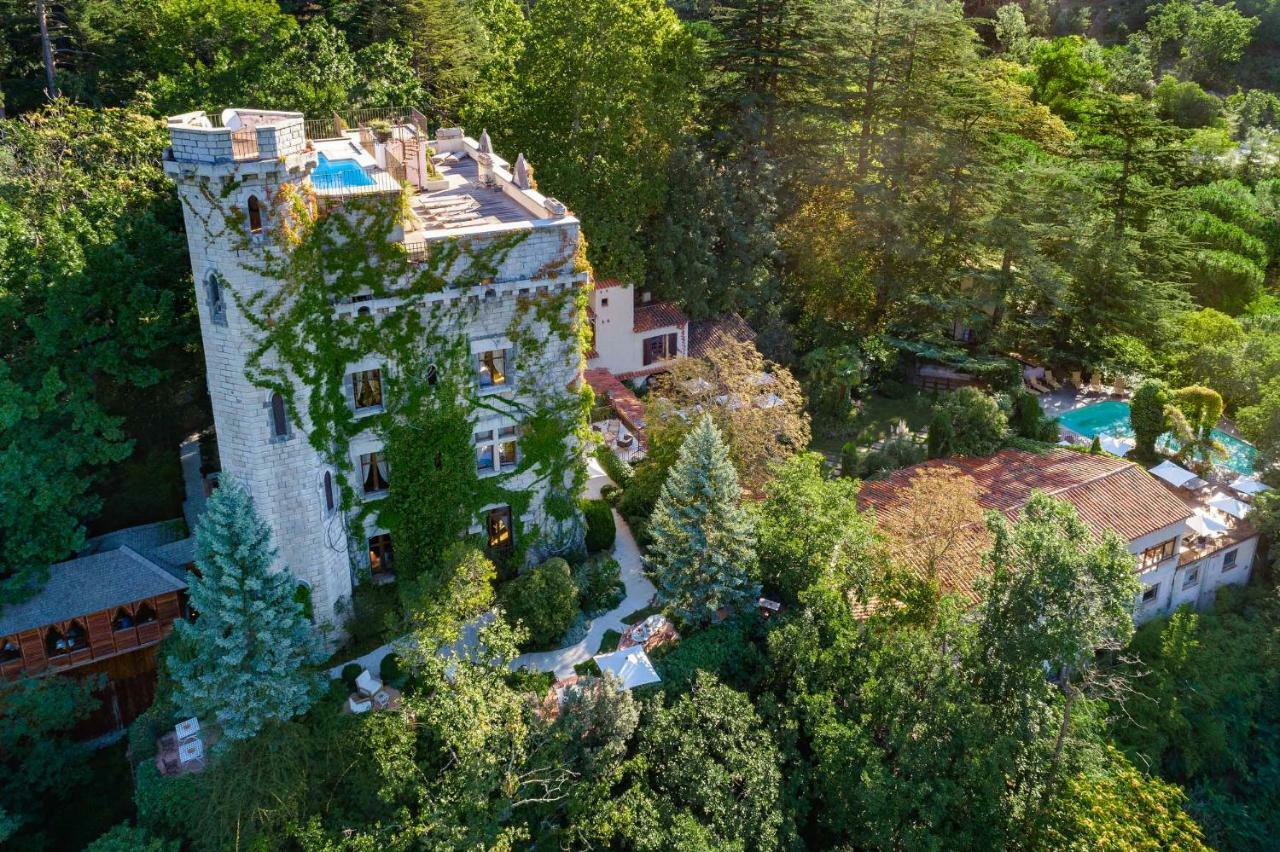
[225, 171]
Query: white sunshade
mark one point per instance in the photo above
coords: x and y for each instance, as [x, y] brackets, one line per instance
[1249, 485]
[1116, 446]
[1204, 525]
[769, 400]
[1230, 506]
[630, 666]
[1172, 474]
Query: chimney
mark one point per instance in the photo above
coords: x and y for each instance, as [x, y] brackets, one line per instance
[522, 173]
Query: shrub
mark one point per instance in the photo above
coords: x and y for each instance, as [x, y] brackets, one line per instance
[617, 469]
[978, 426]
[168, 807]
[1095, 448]
[941, 435]
[599, 584]
[391, 670]
[544, 599]
[873, 464]
[601, 531]
[611, 494]
[350, 672]
[1148, 416]
[144, 731]
[126, 838]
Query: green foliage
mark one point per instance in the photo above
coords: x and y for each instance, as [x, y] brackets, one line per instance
[893, 454]
[642, 493]
[350, 673]
[543, 599]
[977, 425]
[1186, 104]
[127, 838]
[1065, 75]
[96, 310]
[1198, 37]
[42, 764]
[392, 672]
[707, 776]
[601, 531]
[600, 125]
[167, 807]
[1148, 415]
[729, 651]
[242, 662]
[941, 435]
[703, 551]
[599, 583]
[809, 531]
[617, 469]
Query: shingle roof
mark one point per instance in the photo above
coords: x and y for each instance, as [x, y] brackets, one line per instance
[88, 584]
[658, 315]
[1108, 493]
[705, 335]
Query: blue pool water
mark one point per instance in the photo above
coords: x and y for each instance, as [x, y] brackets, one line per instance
[339, 174]
[1112, 418]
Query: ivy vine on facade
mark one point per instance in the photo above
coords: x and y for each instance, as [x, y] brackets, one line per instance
[393, 333]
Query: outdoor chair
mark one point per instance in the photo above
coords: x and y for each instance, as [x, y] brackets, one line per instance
[367, 684]
[1095, 384]
[358, 706]
[1077, 380]
[1120, 388]
[1034, 384]
[1051, 380]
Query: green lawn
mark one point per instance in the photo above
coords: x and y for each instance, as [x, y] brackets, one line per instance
[609, 642]
[872, 423]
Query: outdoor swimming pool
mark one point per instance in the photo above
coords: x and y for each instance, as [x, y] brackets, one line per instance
[1112, 418]
[339, 174]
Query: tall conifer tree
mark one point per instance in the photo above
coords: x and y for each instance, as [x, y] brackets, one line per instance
[703, 549]
[242, 661]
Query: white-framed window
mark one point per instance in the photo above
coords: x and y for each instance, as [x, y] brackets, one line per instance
[661, 347]
[1229, 560]
[1192, 577]
[1154, 555]
[493, 368]
[497, 449]
[366, 390]
[375, 476]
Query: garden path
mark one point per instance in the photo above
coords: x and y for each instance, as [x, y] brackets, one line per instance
[639, 591]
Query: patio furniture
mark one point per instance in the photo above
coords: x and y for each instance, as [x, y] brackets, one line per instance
[367, 684]
[1077, 380]
[1051, 380]
[358, 706]
[187, 728]
[1034, 384]
[1120, 387]
[190, 750]
[1095, 384]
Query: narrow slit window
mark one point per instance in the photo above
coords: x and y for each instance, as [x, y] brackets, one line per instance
[279, 418]
[255, 215]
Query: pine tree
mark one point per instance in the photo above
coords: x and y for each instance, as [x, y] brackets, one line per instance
[703, 550]
[242, 661]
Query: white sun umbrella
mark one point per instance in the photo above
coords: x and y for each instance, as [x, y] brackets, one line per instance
[1230, 505]
[769, 400]
[762, 379]
[1172, 474]
[630, 666]
[697, 386]
[1249, 485]
[1205, 525]
[1116, 446]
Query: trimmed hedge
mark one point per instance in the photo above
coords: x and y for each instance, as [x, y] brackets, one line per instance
[601, 530]
[350, 672]
[391, 670]
[618, 470]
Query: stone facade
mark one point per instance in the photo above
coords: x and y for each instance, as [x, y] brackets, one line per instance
[283, 472]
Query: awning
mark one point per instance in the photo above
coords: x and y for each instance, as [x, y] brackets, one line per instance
[630, 666]
[1249, 485]
[1116, 446]
[1230, 506]
[1204, 525]
[1172, 474]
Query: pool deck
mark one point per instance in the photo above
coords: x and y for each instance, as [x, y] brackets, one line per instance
[1067, 399]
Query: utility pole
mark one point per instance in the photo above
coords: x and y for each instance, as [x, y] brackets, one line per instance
[52, 87]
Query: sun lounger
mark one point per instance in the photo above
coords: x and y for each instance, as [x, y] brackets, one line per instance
[1095, 384]
[1120, 388]
[1077, 380]
[1035, 385]
[1050, 380]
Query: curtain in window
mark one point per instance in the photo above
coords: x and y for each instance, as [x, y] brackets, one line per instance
[375, 473]
[493, 367]
[368, 388]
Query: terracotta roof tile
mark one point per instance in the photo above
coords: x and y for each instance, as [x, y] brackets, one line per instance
[628, 406]
[705, 335]
[658, 315]
[606, 283]
[1109, 494]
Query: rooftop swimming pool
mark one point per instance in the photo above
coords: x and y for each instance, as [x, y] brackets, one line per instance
[339, 174]
[1111, 418]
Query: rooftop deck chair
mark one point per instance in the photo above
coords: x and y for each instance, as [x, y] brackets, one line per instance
[367, 684]
[1095, 384]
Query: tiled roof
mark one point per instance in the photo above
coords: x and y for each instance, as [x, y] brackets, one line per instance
[658, 315]
[88, 584]
[705, 335]
[1108, 493]
[606, 283]
[629, 407]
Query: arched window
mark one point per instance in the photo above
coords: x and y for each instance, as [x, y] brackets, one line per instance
[9, 651]
[255, 215]
[216, 297]
[329, 502]
[123, 620]
[58, 642]
[279, 419]
[146, 614]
